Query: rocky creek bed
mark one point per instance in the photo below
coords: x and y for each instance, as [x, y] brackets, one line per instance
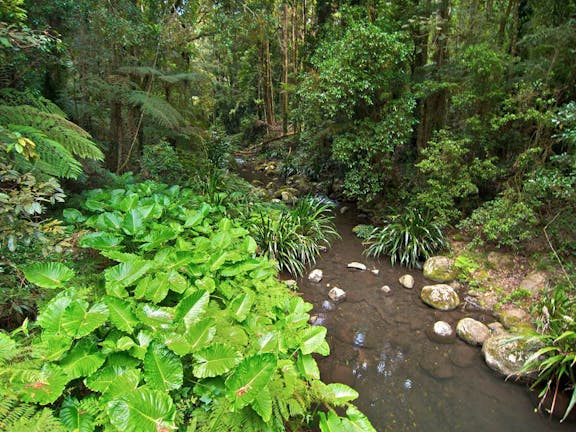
[412, 370]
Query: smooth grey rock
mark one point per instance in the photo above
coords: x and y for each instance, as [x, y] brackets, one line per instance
[316, 275]
[357, 266]
[440, 269]
[472, 332]
[442, 297]
[385, 289]
[337, 295]
[407, 281]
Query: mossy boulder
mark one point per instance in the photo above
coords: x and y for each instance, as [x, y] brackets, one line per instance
[513, 317]
[442, 297]
[506, 353]
[440, 269]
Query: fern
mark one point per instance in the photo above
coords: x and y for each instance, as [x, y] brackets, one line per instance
[156, 107]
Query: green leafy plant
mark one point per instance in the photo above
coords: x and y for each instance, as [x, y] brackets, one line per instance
[186, 311]
[294, 238]
[407, 238]
[161, 162]
[554, 363]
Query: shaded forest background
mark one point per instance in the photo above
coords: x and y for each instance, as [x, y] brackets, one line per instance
[464, 109]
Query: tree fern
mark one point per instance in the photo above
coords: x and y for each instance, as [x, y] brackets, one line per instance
[156, 107]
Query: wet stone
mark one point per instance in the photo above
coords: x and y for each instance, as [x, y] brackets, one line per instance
[472, 331]
[357, 266]
[441, 332]
[315, 275]
[407, 281]
[496, 328]
[318, 319]
[463, 356]
[375, 272]
[337, 295]
[328, 306]
[437, 366]
[386, 290]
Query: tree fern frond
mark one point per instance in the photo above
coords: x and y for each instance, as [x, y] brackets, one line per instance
[183, 77]
[71, 136]
[14, 97]
[54, 159]
[140, 70]
[156, 107]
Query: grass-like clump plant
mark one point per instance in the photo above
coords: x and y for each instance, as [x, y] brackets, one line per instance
[408, 238]
[295, 237]
[555, 363]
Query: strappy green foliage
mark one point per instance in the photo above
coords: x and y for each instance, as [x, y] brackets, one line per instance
[190, 327]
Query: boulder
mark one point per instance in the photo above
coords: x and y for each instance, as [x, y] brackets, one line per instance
[534, 282]
[472, 332]
[440, 269]
[357, 266]
[513, 317]
[506, 354]
[499, 260]
[337, 295]
[315, 275]
[407, 281]
[442, 297]
[496, 328]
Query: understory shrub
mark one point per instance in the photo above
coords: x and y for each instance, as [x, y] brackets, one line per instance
[161, 162]
[188, 328]
[294, 237]
[408, 238]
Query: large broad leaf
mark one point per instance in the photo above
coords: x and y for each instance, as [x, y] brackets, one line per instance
[100, 241]
[312, 339]
[108, 221]
[250, 378]
[50, 319]
[240, 306]
[48, 275]
[340, 394]
[72, 215]
[192, 307]
[114, 381]
[53, 347]
[128, 202]
[83, 360]
[162, 368]
[121, 314]
[74, 418]
[79, 321]
[157, 238]
[154, 288]
[143, 410]
[215, 360]
[123, 275]
[308, 367]
[262, 404]
[356, 421]
[195, 337]
[133, 223]
[43, 386]
[154, 316]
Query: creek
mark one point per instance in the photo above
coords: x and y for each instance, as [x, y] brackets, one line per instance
[382, 346]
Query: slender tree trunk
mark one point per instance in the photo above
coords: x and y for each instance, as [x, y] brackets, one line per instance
[515, 29]
[268, 85]
[285, 66]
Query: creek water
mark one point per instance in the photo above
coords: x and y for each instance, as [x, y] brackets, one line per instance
[381, 345]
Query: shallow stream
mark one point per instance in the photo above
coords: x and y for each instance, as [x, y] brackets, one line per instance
[380, 345]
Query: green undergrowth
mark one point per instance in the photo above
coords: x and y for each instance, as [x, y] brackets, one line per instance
[187, 328]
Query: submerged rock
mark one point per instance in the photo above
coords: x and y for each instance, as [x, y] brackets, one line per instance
[407, 281]
[442, 297]
[318, 320]
[357, 266]
[315, 275]
[472, 331]
[436, 365]
[440, 269]
[337, 295]
[463, 356]
[328, 306]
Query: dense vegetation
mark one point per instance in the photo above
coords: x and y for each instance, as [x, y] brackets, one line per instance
[433, 116]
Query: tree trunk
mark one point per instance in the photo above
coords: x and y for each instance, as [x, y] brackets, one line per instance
[268, 85]
[285, 66]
